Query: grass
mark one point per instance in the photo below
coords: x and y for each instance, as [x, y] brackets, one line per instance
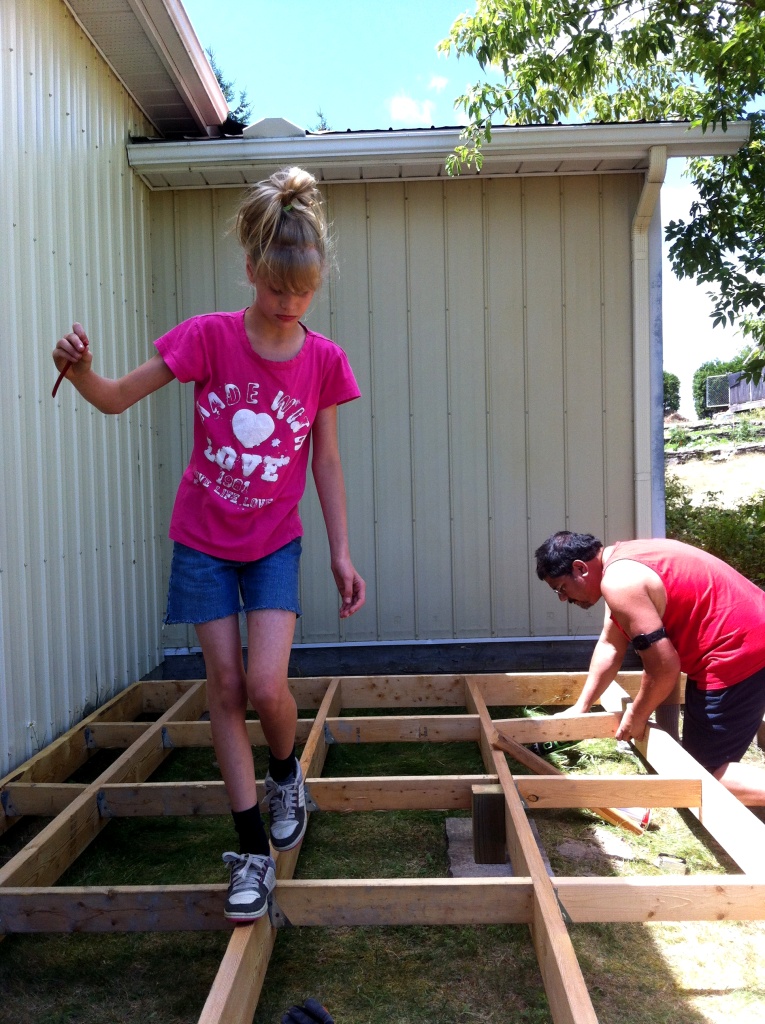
[687, 974]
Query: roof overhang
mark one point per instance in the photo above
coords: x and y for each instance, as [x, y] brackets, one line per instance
[152, 48]
[422, 153]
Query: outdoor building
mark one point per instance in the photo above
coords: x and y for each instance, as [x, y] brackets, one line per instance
[504, 328]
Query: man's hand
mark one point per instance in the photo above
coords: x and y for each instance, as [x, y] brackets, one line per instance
[632, 725]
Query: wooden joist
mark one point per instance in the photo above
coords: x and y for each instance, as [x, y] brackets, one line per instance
[339, 902]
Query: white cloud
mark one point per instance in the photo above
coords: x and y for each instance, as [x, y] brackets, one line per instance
[438, 83]
[405, 110]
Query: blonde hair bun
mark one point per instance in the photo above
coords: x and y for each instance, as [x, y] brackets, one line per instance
[282, 228]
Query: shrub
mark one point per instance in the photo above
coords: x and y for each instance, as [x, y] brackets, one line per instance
[737, 535]
[671, 393]
[678, 437]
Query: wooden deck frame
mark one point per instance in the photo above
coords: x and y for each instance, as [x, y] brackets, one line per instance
[31, 902]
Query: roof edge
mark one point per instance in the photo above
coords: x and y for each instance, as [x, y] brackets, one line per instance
[631, 141]
[167, 26]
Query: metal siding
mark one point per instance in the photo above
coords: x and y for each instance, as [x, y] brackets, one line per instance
[620, 198]
[584, 398]
[79, 579]
[467, 406]
[545, 382]
[429, 367]
[488, 325]
[350, 299]
[390, 408]
[510, 552]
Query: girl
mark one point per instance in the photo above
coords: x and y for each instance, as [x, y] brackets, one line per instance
[262, 384]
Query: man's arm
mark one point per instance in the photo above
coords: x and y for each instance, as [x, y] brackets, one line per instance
[637, 599]
[606, 661]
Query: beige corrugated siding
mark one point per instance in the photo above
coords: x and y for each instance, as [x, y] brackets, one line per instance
[489, 325]
[80, 573]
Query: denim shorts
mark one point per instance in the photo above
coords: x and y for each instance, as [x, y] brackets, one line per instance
[719, 725]
[203, 588]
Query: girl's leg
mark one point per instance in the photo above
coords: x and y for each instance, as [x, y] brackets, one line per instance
[227, 696]
[270, 636]
[269, 640]
[253, 872]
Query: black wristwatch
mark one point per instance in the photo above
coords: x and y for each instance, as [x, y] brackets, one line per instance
[643, 641]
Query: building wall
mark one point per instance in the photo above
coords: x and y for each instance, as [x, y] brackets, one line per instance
[489, 325]
[80, 573]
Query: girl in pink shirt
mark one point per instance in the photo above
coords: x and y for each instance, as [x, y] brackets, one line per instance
[263, 386]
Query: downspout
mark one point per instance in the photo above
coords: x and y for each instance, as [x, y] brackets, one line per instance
[646, 346]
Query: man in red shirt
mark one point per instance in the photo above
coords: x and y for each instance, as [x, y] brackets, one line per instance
[683, 610]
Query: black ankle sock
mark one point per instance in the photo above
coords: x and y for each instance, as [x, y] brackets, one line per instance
[251, 832]
[281, 768]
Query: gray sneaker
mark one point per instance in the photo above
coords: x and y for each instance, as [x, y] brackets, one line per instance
[253, 879]
[286, 806]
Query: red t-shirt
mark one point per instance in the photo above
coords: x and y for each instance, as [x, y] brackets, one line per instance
[715, 617]
[238, 498]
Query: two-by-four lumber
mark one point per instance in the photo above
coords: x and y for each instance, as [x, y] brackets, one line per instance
[545, 728]
[735, 828]
[541, 767]
[236, 989]
[366, 793]
[64, 838]
[61, 758]
[562, 976]
[335, 903]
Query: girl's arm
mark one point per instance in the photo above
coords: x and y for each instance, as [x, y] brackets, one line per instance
[330, 485]
[109, 396]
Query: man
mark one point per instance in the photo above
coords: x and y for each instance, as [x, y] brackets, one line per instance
[683, 610]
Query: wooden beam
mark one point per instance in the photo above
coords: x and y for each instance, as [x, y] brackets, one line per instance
[597, 725]
[70, 751]
[58, 845]
[541, 767]
[489, 824]
[236, 989]
[334, 903]
[562, 976]
[366, 793]
[733, 825]
[618, 790]
[539, 688]
[405, 729]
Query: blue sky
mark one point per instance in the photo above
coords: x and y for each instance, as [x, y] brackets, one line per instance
[365, 64]
[369, 64]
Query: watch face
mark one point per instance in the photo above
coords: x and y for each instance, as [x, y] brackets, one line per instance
[644, 640]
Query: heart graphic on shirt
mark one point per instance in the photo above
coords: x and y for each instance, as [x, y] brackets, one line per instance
[252, 428]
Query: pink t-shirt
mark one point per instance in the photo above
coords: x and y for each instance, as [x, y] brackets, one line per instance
[238, 498]
[715, 617]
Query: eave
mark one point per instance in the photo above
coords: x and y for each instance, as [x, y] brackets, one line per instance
[152, 48]
[422, 153]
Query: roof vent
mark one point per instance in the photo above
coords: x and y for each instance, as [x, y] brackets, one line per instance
[273, 128]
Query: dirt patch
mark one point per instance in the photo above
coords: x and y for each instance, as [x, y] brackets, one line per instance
[737, 477]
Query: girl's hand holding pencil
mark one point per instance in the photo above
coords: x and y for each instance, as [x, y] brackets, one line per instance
[72, 352]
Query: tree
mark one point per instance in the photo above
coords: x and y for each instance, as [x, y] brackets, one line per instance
[629, 60]
[671, 393]
[714, 368]
[322, 125]
[238, 117]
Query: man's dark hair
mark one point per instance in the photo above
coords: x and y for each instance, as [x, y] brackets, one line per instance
[558, 553]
